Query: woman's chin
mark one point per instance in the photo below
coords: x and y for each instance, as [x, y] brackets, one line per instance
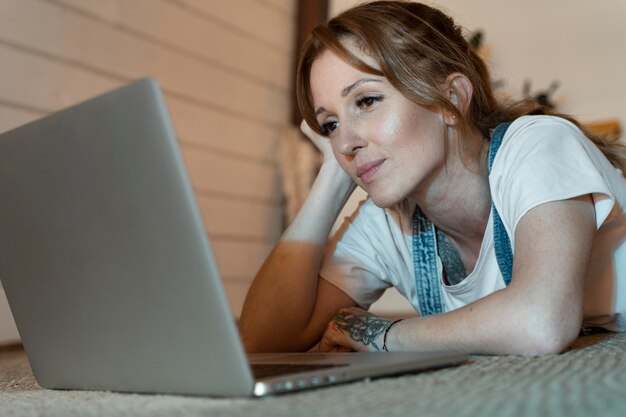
[384, 201]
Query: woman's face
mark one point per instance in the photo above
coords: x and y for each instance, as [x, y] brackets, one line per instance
[391, 147]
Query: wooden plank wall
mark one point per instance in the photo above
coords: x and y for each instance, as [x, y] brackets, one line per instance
[225, 69]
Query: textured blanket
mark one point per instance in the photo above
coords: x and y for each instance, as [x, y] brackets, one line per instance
[587, 380]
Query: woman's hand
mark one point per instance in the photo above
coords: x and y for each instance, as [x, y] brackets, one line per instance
[322, 143]
[330, 165]
[354, 329]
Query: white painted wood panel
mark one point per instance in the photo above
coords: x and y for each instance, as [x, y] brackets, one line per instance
[240, 219]
[34, 81]
[286, 7]
[231, 176]
[273, 25]
[236, 293]
[50, 88]
[219, 130]
[84, 42]
[239, 261]
[189, 32]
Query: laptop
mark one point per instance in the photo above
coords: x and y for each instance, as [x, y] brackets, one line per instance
[109, 272]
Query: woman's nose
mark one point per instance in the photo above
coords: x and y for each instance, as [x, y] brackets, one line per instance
[350, 142]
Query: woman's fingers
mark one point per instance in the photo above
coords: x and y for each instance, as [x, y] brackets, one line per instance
[322, 143]
[334, 341]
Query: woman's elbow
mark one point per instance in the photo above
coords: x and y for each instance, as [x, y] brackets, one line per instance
[548, 337]
[542, 345]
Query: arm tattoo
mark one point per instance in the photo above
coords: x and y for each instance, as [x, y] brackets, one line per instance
[362, 328]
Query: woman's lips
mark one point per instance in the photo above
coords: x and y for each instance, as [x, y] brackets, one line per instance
[366, 172]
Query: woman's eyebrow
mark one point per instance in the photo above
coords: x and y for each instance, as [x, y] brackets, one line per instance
[319, 111]
[351, 87]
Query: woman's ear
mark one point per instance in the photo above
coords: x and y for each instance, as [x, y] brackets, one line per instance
[459, 89]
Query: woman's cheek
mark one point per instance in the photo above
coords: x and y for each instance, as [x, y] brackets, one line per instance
[343, 160]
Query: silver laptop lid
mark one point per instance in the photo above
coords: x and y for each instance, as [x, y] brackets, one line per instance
[104, 257]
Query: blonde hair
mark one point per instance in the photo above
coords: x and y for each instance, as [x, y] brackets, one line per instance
[416, 47]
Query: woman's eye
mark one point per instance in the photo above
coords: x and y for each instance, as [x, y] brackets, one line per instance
[367, 101]
[328, 127]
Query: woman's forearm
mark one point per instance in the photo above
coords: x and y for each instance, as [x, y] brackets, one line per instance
[328, 195]
[282, 298]
[500, 323]
[510, 321]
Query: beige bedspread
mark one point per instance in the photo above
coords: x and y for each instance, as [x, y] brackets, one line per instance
[588, 380]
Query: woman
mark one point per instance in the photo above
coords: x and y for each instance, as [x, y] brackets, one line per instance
[502, 225]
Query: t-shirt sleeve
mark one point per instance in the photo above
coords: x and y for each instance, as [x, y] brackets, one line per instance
[547, 159]
[355, 261]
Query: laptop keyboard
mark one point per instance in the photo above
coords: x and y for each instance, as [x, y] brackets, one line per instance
[275, 369]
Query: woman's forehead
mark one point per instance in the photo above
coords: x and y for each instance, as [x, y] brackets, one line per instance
[329, 66]
[331, 75]
[358, 50]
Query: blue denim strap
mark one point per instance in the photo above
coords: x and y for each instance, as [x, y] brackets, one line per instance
[501, 241]
[427, 280]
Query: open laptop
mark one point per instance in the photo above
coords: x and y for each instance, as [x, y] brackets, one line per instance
[109, 272]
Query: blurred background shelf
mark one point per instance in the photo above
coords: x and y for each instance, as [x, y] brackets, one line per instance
[610, 129]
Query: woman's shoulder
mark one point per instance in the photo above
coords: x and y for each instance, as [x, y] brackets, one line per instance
[545, 137]
[544, 159]
[528, 130]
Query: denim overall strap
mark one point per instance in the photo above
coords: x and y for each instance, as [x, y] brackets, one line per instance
[501, 241]
[427, 280]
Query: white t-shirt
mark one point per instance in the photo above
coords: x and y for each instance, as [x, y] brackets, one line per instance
[541, 159]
